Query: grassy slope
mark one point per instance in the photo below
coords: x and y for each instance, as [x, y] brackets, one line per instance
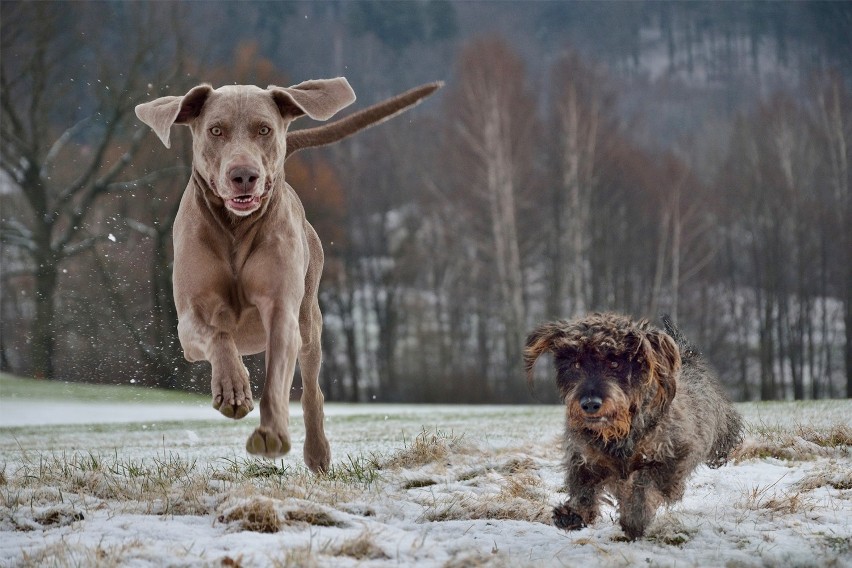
[17, 388]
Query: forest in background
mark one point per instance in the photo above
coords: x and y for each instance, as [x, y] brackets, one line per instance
[689, 158]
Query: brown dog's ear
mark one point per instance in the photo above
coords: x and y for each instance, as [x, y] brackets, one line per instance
[540, 340]
[663, 358]
[319, 99]
[161, 113]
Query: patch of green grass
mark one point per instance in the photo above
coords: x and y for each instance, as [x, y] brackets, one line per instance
[839, 544]
[359, 469]
[12, 388]
[249, 468]
[163, 484]
[353, 470]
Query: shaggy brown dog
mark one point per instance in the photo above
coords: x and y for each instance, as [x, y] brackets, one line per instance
[643, 411]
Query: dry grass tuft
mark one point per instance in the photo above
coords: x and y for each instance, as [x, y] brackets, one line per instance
[300, 557]
[769, 500]
[259, 513]
[312, 516]
[522, 486]
[519, 499]
[57, 516]
[518, 465]
[427, 447]
[418, 483]
[479, 560]
[833, 475]
[64, 553]
[228, 562]
[838, 436]
[361, 547]
[670, 530]
[471, 474]
[40, 518]
[788, 503]
[256, 515]
[804, 444]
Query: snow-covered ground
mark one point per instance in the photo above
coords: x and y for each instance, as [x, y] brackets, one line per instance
[123, 484]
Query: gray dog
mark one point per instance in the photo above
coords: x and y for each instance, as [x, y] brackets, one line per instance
[247, 262]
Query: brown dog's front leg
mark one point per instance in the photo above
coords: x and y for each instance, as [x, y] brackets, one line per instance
[638, 500]
[584, 485]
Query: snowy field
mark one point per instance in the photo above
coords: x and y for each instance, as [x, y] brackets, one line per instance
[125, 483]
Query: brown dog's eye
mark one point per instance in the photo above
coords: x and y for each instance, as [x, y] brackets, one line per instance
[216, 131]
[613, 364]
[264, 130]
[576, 364]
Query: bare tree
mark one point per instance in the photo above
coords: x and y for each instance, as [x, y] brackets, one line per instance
[578, 102]
[834, 123]
[35, 81]
[493, 115]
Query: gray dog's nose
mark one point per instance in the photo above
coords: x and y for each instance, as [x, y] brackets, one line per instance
[243, 178]
[590, 404]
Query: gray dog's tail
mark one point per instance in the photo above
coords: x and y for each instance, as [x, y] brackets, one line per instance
[355, 122]
[687, 350]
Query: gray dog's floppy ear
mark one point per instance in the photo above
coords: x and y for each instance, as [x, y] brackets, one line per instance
[540, 340]
[161, 113]
[319, 99]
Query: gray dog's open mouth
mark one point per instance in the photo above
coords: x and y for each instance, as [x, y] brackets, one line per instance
[244, 202]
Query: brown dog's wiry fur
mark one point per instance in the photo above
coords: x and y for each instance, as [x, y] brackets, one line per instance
[642, 412]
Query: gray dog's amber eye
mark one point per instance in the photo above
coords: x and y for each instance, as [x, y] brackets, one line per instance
[264, 130]
[216, 131]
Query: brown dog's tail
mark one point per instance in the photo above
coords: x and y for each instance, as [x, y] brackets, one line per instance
[688, 351]
[355, 122]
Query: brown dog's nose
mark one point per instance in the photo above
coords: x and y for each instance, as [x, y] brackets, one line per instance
[590, 404]
[243, 178]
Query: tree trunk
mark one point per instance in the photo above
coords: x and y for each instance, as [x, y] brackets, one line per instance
[501, 201]
[578, 136]
[44, 328]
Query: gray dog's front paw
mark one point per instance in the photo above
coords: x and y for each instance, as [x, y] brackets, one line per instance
[231, 408]
[232, 392]
[317, 455]
[267, 443]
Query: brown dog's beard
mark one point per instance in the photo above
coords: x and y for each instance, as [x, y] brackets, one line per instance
[611, 422]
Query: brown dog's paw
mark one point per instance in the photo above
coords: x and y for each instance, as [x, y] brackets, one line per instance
[232, 392]
[567, 519]
[264, 442]
[632, 530]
